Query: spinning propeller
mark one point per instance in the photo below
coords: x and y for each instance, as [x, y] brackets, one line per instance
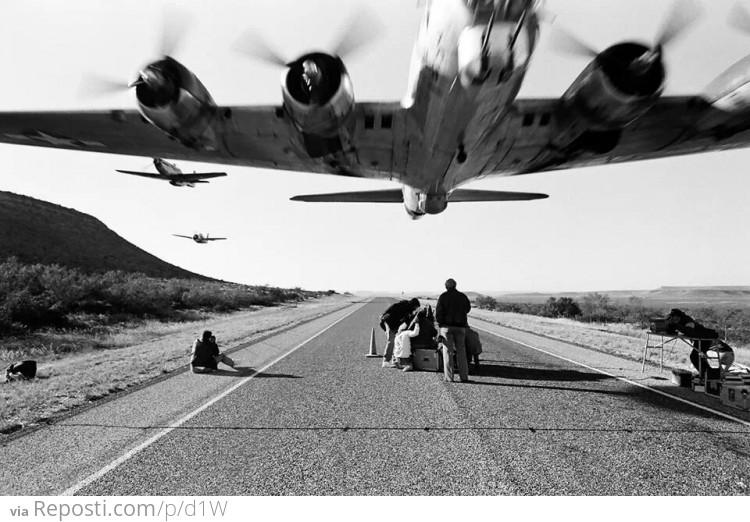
[172, 35]
[678, 19]
[739, 18]
[733, 79]
[362, 28]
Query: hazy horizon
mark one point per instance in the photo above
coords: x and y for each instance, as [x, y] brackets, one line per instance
[543, 292]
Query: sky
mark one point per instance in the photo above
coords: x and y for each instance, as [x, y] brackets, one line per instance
[673, 222]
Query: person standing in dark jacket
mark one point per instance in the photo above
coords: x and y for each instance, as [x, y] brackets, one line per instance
[391, 319]
[451, 311]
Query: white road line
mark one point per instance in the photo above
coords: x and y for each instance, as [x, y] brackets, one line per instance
[679, 399]
[115, 463]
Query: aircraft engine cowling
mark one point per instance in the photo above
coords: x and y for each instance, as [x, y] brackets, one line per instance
[730, 92]
[617, 87]
[173, 99]
[318, 94]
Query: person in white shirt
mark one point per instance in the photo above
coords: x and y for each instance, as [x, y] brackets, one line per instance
[402, 344]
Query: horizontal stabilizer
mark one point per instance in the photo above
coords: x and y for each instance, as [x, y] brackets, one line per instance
[464, 195]
[366, 196]
[395, 196]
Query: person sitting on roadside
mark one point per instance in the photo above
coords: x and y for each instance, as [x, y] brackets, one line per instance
[205, 355]
[402, 344]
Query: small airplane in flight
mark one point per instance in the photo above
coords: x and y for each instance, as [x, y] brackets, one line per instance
[200, 238]
[170, 172]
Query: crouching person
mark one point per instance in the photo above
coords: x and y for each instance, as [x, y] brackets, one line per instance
[20, 371]
[402, 344]
[390, 321]
[205, 356]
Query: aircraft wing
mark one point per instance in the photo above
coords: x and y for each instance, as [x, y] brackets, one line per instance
[675, 125]
[178, 235]
[144, 174]
[524, 142]
[214, 238]
[188, 178]
[260, 136]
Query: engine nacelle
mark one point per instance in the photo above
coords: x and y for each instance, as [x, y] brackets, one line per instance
[617, 87]
[318, 94]
[173, 99]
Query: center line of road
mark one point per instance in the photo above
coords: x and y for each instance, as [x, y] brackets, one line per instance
[679, 399]
[115, 463]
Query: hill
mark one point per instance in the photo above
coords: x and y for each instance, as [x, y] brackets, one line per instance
[36, 231]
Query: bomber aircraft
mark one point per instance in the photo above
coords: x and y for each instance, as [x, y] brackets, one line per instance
[459, 121]
[200, 238]
[170, 172]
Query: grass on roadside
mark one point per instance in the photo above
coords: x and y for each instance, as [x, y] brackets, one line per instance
[619, 339]
[127, 356]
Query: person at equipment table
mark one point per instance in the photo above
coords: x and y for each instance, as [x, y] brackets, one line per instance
[679, 321]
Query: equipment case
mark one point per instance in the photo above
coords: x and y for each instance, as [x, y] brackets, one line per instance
[429, 360]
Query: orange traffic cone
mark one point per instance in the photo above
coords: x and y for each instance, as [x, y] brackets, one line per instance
[373, 350]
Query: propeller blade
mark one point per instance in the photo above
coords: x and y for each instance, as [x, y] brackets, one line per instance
[254, 46]
[678, 19]
[739, 18]
[93, 86]
[545, 16]
[175, 24]
[565, 42]
[362, 28]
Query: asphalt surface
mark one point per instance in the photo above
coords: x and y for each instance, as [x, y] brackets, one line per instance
[326, 420]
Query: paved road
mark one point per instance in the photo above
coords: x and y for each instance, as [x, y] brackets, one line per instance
[325, 420]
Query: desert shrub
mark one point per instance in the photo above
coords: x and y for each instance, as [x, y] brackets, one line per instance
[563, 307]
[733, 324]
[33, 296]
[634, 312]
[485, 302]
[520, 308]
[596, 307]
